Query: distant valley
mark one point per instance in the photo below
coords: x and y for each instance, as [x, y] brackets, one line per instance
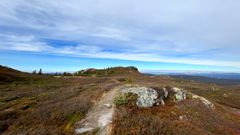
[219, 78]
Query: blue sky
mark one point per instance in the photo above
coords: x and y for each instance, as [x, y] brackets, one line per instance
[58, 35]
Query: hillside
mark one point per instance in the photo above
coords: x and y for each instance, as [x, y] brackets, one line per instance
[113, 71]
[92, 101]
[11, 75]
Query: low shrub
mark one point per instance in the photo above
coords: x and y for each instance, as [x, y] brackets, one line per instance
[126, 99]
[129, 80]
[72, 119]
[121, 100]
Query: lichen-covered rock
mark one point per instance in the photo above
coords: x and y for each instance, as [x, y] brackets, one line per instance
[179, 94]
[165, 92]
[147, 97]
[206, 102]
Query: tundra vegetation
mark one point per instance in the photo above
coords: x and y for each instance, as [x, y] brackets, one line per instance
[46, 104]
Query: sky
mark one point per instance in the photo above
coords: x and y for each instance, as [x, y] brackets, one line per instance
[60, 35]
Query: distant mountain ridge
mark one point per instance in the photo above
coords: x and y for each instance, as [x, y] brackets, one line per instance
[208, 79]
[216, 75]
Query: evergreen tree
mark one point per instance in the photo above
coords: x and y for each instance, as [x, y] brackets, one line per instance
[34, 72]
[40, 72]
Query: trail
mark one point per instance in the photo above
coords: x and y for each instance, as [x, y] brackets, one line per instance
[100, 115]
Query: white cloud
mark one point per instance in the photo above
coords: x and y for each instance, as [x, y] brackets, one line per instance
[77, 50]
[29, 43]
[22, 43]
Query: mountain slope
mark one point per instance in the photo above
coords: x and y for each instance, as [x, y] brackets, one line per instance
[10, 75]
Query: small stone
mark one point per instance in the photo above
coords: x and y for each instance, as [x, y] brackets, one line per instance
[92, 84]
[108, 105]
[83, 130]
[165, 92]
[184, 117]
[162, 102]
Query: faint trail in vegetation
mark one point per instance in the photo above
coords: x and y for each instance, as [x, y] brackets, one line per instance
[100, 116]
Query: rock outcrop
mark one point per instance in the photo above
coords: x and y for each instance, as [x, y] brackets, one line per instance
[147, 97]
[179, 94]
[206, 102]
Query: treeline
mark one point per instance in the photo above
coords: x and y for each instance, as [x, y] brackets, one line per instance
[39, 72]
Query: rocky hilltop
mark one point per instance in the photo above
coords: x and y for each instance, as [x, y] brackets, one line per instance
[108, 71]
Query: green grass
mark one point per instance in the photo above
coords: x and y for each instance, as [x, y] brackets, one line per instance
[121, 100]
[125, 99]
[72, 119]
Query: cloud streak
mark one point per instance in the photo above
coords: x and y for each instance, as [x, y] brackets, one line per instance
[29, 44]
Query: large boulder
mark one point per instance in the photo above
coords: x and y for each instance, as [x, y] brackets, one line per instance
[147, 97]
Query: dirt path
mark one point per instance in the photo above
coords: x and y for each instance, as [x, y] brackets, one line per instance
[100, 116]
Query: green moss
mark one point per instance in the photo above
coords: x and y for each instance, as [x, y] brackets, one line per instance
[124, 99]
[188, 96]
[121, 100]
[72, 119]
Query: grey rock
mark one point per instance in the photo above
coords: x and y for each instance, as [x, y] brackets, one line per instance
[206, 102]
[179, 94]
[162, 102]
[165, 92]
[147, 97]
[163, 96]
[183, 117]
[108, 105]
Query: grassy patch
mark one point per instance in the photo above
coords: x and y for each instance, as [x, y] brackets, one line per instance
[8, 99]
[128, 80]
[125, 99]
[72, 119]
[121, 100]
